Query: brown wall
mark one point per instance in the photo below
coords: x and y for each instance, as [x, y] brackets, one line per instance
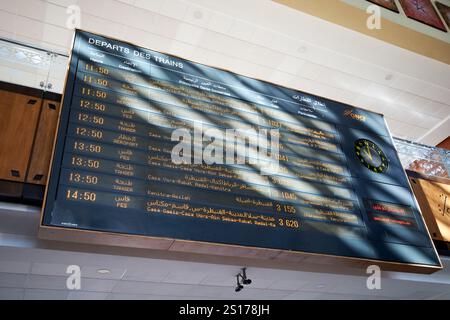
[28, 119]
[434, 200]
[444, 144]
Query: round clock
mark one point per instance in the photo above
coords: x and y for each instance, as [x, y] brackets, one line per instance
[371, 156]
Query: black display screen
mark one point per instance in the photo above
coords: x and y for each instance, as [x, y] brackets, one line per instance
[339, 188]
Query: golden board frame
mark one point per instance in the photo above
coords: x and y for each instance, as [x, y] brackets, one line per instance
[421, 183]
[209, 248]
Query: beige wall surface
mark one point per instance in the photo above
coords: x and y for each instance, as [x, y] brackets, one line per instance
[339, 12]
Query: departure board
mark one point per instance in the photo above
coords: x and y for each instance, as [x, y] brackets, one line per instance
[138, 153]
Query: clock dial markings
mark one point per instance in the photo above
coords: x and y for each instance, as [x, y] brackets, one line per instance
[371, 156]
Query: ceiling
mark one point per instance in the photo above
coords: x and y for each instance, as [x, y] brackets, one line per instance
[257, 38]
[261, 39]
[36, 269]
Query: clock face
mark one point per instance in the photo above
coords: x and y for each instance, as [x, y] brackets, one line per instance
[371, 156]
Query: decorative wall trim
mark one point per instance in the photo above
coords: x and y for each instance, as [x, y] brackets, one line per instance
[339, 12]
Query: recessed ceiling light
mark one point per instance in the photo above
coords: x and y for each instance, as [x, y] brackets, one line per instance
[198, 14]
[104, 271]
[302, 49]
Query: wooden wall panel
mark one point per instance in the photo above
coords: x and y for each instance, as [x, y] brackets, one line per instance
[444, 144]
[434, 201]
[43, 144]
[18, 119]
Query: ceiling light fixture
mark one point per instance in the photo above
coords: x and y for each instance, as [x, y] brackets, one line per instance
[302, 49]
[198, 14]
[104, 271]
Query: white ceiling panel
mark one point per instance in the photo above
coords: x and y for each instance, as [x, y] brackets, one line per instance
[289, 284]
[219, 22]
[184, 276]
[48, 269]
[140, 273]
[142, 19]
[11, 293]
[176, 9]
[269, 43]
[46, 282]
[55, 14]
[97, 285]
[151, 5]
[43, 294]
[201, 17]
[17, 267]
[87, 295]
[166, 289]
[12, 280]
